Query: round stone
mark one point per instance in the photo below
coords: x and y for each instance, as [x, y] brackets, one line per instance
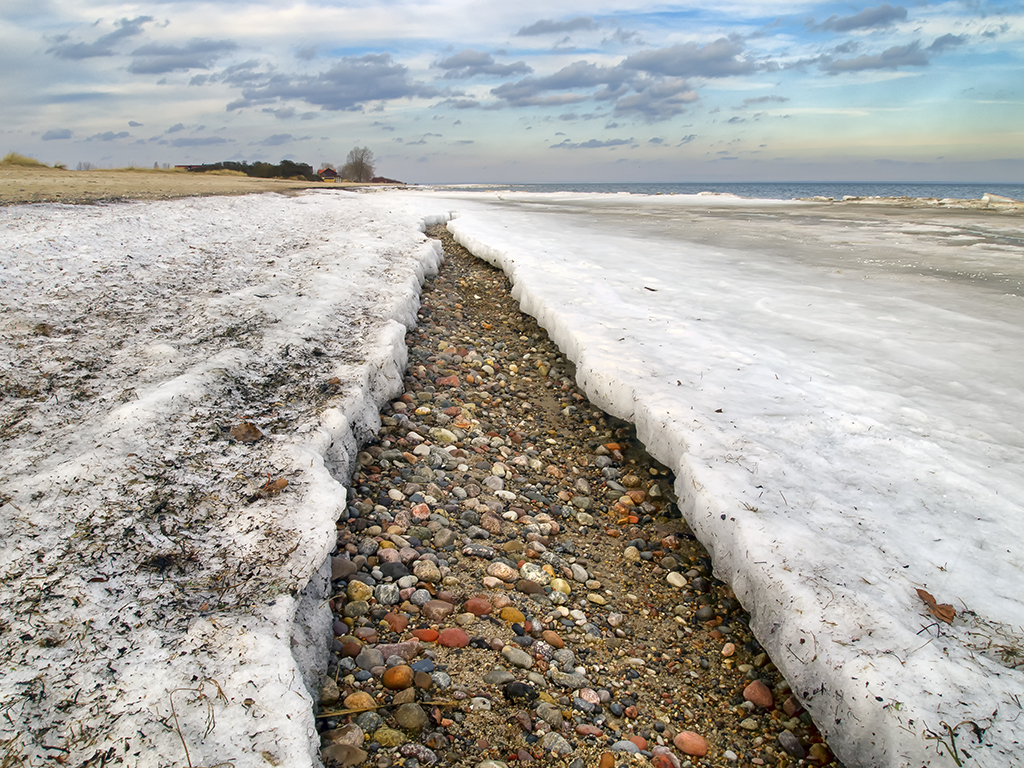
[411, 717]
[676, 579]
[453, 637]
[398, 678]
[690, 743]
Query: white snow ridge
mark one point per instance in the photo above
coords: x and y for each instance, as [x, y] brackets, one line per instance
[160, 598]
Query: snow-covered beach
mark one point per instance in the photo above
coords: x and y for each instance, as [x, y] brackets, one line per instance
[836, 388]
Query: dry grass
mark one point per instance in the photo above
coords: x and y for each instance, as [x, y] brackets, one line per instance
[13, 158]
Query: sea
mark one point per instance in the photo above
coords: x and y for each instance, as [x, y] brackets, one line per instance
[776, 190]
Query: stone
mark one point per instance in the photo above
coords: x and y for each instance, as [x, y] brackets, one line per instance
[359, 700]
[791, 744]
[389, 737]
[676, 579]
[517, 657]
[453, 637]
[556, 744]
[502, 571]
[411, 717]
[350, 734]
[512, 615]
[759, 694]
[329, 693]
[436, 610]
[690, 743]
[551, 638]
[398, 678]
[344, 755]
[478, 606]
[427, 571]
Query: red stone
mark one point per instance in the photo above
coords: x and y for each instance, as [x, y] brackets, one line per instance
[478, 606]
[690, 743]
[447, 381]
[398, 678]
[640, 741]
[759, 694]
[453, 637]
[426, 635]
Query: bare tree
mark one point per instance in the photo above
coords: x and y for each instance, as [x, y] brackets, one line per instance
[358, 165]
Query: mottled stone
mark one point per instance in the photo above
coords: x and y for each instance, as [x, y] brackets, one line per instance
[436, 610]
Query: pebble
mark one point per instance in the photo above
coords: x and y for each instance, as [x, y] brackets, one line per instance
[691, 743]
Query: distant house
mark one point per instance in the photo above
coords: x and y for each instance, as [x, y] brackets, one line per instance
[327, 174]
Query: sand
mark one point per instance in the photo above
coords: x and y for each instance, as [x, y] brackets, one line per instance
[40, 184]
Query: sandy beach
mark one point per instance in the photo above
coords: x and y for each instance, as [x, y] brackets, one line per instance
[40, 184]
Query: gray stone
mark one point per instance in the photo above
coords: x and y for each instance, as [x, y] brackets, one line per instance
[517, 657]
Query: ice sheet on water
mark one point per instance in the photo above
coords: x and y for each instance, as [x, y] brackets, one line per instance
[149, 582]
[839, 391]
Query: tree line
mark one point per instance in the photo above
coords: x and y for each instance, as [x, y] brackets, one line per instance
[358, 166]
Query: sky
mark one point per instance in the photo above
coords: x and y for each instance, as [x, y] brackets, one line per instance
[453, 91]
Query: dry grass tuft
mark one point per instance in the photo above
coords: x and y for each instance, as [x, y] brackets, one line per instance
[13, 158]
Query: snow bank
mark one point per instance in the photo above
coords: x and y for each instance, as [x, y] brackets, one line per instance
[162, 590]
[838, 392]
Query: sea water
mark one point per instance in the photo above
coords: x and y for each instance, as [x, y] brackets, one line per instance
[782, 190]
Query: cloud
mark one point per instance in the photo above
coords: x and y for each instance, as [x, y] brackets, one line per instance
[581, 74]
[656, 140]
[870, 18]
[687, 139]
[548, 26]
[623, 37]
[281, 114]
[891, 58]
[765, 100]
[134, 124]
[947, 41]
[108, 136]
[717, 59]
[196, 54]
[276, 140]
[469, 63]
[175, 128]
[348, 85]
[202, 141]
[659, 100]
[102, 46]
[459, 103]
[307, 53]
[57, 133]
[592, 144]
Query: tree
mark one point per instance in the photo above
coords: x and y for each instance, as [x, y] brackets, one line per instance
[358, 165]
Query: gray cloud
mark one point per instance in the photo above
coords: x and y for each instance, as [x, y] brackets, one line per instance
[198, 141]
[57, 133]
[717, 59]
[687, 139]
[592, 144]
[765, 100]
[175, 128]
[658, 100]
[196, 54]
[348, 85]
[581, 74]
[134, 124]
[459, 103]
[108, 136]
[947, 41]
[469, 63]
[870, 18]
[276, 140]
[892, 58]
[549, 26]
[102, 46]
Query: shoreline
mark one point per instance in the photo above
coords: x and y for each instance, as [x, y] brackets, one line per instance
[536, 573]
